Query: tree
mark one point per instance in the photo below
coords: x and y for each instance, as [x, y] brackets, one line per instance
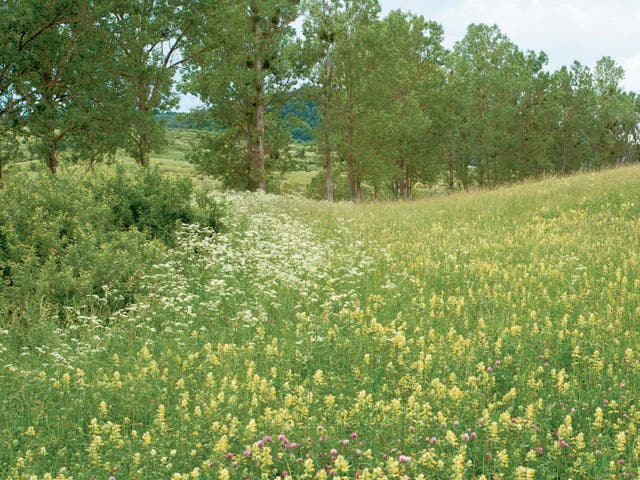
[354, 61]
[320, 34]
[242, 67]
[69, 86]
[400, 123]
[22, 25]
[617, 118]
[574, 110]
[495, 83]
[149, 35]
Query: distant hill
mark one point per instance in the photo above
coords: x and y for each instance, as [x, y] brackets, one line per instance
[301, 119]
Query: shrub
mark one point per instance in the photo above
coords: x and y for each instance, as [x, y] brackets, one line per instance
[79, 241]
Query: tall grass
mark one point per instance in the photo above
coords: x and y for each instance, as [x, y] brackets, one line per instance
[485, 335]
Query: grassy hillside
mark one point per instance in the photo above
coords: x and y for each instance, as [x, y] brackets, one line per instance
[484, 335]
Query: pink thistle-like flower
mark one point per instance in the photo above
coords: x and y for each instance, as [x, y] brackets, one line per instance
[358, 474]
[229, 455]
[621, 462]
[284, 473]
[473, 435]
[465, 437]
[282, 438]
[292, 445]
[562, 444]
[404, 459]
[456, 423]
[540, 450]
[334, 452]
[433, 440]
[345, 442]
[489, 369]
[267, 439]
[117, 468]
[412, 428]
[260, 444]
[112, 478]
[247, 453]
[354, 435]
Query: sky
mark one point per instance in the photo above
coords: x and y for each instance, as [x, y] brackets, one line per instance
[566, 30]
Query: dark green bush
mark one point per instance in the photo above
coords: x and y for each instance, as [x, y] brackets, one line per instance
[155, 204]
[83, 241]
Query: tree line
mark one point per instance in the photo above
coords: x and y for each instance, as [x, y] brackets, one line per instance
[395, 108]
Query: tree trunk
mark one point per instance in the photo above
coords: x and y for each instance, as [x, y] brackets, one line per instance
[144, 148]
[354, 186]
[143, 140]
[52, 158]
[326, 147]
[328, 176]
[326, 106]
[259, 157]
[258, 150]
[451, 172]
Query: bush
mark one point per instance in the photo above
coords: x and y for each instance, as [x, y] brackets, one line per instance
[155, 204]
[84, 242]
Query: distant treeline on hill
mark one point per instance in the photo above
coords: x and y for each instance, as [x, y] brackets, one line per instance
[301, 119]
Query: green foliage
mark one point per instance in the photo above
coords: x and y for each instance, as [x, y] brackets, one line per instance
[243, 67]
[477, 335]
[79, 241]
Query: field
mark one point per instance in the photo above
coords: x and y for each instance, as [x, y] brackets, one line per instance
[484, 335]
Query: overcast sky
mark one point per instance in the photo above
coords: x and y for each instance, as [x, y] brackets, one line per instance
[567, 30]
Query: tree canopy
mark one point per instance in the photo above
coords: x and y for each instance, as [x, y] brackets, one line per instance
[388, 106]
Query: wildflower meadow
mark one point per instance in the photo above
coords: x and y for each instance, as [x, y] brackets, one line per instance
[482, 335]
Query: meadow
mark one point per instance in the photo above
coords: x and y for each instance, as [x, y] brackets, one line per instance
[483, 335]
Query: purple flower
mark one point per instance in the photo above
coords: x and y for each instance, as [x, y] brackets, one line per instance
[404, 459]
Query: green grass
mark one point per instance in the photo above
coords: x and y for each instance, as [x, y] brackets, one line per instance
[479, 335]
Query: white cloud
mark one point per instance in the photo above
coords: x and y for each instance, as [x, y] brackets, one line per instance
[583, 30]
